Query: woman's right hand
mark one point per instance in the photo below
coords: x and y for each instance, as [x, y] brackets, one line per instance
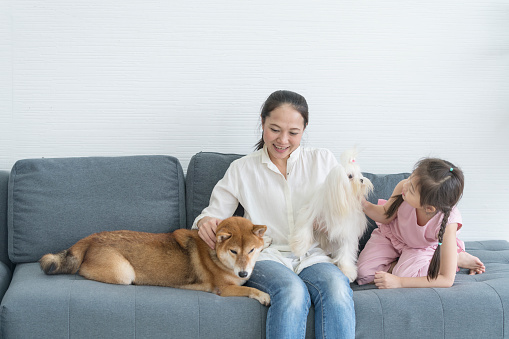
[207, 230]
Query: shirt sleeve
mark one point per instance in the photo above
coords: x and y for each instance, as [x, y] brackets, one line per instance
[455, 218]
[329, 159]
[223, 200]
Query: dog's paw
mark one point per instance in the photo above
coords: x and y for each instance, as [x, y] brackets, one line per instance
[267, 241]
[262, 297]
[299, 246]
[349, 271]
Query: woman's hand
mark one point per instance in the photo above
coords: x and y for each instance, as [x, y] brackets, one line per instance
[387, 280]
[207, 230]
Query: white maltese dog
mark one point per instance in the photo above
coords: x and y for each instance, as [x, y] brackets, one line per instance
[334, 216]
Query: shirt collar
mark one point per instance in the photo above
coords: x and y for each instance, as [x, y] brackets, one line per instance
[294, 156]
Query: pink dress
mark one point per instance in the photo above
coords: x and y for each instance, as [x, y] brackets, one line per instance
[403, 238]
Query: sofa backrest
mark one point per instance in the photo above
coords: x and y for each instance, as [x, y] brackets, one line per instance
[204, 171]
[384, 185]
[207, 168]
[55, 202]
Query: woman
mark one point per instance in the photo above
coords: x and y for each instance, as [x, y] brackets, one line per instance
[272, 184]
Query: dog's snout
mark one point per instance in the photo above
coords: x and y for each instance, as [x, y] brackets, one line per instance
[242, 274]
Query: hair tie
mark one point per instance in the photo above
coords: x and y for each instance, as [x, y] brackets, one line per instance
[450, 169]
[439, 243]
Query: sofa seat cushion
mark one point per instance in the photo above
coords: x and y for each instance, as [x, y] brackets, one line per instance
[62, 306]
[474, 307]
[69, 306]
[55, 202]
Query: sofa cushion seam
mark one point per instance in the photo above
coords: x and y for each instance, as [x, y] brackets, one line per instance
[501, 304]
[382, 309]
[443, 311]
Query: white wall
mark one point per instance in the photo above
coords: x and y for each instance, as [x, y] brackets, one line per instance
[400, 79]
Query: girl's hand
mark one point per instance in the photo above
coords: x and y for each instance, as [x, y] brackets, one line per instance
[387, 280]
[207, 230]
[364, 203]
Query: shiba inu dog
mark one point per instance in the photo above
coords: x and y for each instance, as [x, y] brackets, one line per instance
[179, 259]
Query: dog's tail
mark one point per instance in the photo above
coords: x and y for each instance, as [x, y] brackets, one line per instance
[65, 262]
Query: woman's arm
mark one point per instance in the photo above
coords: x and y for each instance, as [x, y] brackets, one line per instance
[223, 203]
[377, 212]
[446, 275]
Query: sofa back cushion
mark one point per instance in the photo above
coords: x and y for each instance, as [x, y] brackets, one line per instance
[55, 202]
[207, 168]
[384, 185]
[204, 171]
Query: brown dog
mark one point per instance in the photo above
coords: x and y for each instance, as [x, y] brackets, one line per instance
[180, 259]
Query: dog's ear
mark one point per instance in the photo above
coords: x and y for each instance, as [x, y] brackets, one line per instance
[259, 230]
[222, 236]
[338, 195]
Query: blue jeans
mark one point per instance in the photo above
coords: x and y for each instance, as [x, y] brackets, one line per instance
[291, 295]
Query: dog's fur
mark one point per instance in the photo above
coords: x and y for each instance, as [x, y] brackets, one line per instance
[180, 259]
[334, 216]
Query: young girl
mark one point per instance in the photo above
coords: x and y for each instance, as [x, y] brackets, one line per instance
[415, 244]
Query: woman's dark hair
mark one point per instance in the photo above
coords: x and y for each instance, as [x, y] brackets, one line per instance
[440, 185]
[279, 98]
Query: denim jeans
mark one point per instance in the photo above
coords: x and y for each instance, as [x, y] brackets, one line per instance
[291, 295]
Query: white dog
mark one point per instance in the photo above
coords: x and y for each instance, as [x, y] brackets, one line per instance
[334, 216]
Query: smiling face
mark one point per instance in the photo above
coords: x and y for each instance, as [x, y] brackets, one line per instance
[282, 132]
[410, 192]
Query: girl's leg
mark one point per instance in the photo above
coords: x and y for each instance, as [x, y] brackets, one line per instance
[467, 260]
[377, 255]
[474, 264]
[290, 301]
[332, 298]
[413, 262]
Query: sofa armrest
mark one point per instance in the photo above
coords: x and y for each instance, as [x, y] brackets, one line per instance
[4, 183]
[5, 278]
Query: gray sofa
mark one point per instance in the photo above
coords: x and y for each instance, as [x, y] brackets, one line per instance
[48, 204]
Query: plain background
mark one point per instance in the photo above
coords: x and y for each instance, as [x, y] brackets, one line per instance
[400, 80]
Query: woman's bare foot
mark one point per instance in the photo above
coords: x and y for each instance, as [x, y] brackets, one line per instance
[467, 260]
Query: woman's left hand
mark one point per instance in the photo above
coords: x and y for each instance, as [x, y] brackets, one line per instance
[386, 280]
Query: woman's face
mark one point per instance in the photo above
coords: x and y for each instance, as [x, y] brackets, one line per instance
[282, 131]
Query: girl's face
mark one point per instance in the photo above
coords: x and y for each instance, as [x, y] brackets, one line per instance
[410, 192]
[282, 131]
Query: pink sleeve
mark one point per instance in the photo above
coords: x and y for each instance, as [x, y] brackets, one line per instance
[455, 217]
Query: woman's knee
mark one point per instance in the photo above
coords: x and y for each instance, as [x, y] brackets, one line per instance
[326, 279]
[292, 292]
[282, 284]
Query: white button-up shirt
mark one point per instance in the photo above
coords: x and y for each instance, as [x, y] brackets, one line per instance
[270, 199]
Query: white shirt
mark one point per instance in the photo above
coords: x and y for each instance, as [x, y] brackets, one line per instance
[270, 199]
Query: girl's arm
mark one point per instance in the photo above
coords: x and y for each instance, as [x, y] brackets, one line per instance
[377, 212]
[446, 275]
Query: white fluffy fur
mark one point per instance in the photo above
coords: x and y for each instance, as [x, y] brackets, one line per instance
[334, 216]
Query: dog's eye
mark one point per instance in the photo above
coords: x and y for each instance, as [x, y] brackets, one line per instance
[251, 251]
[234, 252]
[350, 176]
